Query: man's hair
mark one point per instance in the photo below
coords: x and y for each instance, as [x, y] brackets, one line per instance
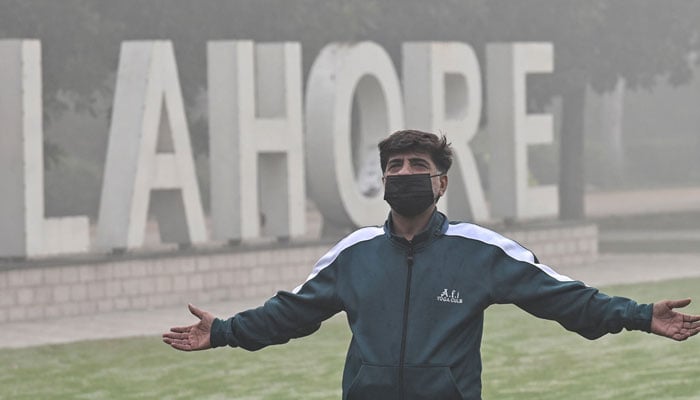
[411, 140]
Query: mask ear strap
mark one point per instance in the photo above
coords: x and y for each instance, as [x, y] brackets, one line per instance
[439, 195]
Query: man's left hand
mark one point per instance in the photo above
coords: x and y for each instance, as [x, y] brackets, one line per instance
[671, 324]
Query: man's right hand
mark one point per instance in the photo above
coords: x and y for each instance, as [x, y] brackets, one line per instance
[193, 337]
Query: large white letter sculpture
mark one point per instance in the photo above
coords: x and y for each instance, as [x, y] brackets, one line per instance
[512, 129]
[442, 93]
[149, 157]
[255, 140]
[336, 161]
[24, 232]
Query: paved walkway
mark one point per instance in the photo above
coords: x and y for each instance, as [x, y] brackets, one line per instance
[608, 270]
[601, 204]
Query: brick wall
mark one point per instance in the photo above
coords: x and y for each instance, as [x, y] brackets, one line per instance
[47, 289]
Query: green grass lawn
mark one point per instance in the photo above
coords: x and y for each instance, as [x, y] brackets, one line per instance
[524, 358]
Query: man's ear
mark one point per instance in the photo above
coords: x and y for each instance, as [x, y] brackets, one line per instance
[443, 184]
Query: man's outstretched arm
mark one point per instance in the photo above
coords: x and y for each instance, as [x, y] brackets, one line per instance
[193, 337]
[671, 324]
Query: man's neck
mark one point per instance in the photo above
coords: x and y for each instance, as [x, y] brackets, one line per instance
[409, 227]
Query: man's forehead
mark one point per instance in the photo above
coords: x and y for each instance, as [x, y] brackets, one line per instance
[411, 155]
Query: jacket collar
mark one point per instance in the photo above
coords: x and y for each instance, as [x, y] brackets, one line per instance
[437, 226]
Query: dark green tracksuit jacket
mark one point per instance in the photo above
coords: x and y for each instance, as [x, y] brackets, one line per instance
[416, 309]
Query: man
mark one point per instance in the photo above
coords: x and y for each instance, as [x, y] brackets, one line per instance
[415, 290]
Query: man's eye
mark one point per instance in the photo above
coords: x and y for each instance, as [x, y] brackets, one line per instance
[420, 167]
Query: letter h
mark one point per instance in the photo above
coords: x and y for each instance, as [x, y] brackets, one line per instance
[255, 140]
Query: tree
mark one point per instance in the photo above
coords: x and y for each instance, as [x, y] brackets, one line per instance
[598, 43]
[77, 46]
[75, 58]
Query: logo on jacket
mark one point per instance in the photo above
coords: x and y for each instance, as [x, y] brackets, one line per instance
[448, 296]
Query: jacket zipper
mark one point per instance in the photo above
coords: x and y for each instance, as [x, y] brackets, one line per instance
[402, 355]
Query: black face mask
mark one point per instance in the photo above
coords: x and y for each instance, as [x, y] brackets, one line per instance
[409, 195]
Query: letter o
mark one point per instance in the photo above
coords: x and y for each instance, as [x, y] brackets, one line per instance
[341, 74]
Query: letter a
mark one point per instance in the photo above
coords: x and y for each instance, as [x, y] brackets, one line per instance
[149, 152]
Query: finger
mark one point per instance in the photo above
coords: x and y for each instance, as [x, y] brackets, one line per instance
[179, 345]
[678, 303]
[691, 326]
[685, 334]
[179, 341]
[181, 329]
[176, 336]
[691, 318]
[169, 341]
[196, 311]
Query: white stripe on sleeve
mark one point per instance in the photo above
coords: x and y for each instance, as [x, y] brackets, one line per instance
[352, 239]
[510, 247]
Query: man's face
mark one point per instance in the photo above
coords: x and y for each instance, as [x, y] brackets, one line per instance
[416, 163]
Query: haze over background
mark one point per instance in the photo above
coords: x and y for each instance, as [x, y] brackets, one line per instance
[634, 60]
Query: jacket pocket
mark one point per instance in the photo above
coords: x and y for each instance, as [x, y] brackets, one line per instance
[430, 382]
[374, 382]
[421, 383]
